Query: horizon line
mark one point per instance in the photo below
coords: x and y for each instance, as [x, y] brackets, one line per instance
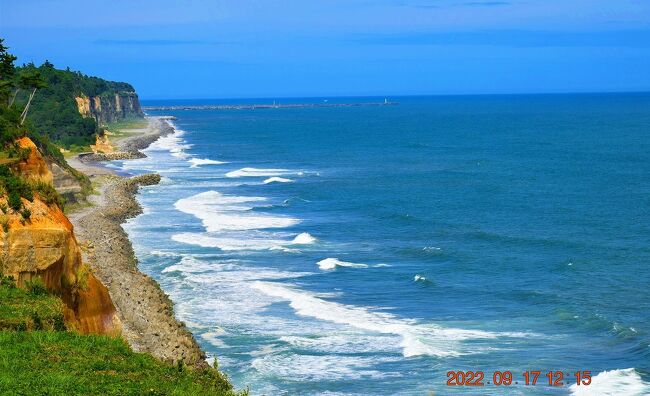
[558, 93]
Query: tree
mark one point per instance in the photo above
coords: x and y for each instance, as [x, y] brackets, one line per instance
[23, 83]
[33, 80]
[7, 72]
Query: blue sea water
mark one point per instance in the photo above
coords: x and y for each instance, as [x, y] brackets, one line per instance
[370, 250]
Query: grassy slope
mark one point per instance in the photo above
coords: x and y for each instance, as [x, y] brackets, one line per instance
[21, 310]
[48, 362]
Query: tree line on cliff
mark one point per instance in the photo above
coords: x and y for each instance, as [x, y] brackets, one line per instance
[46, 95]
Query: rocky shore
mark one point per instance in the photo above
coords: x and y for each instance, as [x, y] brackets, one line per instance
[158, 126]
[146, 312]
[129, 147]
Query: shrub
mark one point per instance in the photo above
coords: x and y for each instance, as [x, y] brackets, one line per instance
[7, 281]
[59, 323]
[47, 193]
[15, 151]
[38, 323]
[36, 287]
[26, 213]
[14, 200]
[15, 187]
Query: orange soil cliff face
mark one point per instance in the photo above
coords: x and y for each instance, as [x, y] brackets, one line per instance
[34, 168]
[45, 247]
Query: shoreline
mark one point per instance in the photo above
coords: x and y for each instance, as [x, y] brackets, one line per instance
[146, 312]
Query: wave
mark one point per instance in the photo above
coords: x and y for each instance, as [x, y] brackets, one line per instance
[276, 179]
[164, 253]
[259, 172]
[331, 263]
[614, 382]
[196, 162]
[420, 278]
[172, 143]
[416, 339]
[303, 238]
[220, 212]
[228, 243]
[319, 368]
[259, 241]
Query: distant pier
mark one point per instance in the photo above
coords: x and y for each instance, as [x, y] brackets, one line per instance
[266, 106]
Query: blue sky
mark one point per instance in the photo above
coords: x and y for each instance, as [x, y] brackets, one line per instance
[257, 48]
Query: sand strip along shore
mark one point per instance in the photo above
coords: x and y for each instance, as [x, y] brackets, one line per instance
[146, 312]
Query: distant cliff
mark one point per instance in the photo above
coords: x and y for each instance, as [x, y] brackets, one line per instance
[110, 107]
[74, 107]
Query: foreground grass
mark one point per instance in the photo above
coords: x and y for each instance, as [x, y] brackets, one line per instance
[28, 310]
[65, 363]
[51, 362]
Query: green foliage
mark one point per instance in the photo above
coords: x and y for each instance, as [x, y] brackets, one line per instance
[36, 287]
[7, 281]
[39, 357]
[25, 310]
[10, 128]
[15, 151]
[54, 111]
[15, 187]
[26, 213]
[7, 72]
[47, 193]
[5, 223]
[65, 363]
[14, 200]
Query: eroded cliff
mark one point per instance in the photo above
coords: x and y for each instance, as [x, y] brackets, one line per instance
[38, 242]
[107, 108]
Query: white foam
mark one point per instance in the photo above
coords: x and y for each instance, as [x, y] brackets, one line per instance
[304, 238]
[220, 212]
[276, 179]
[614, 382]
[318, 367]
[229, 243]
[419, 278]
[259, 172]
[172, 143]
[415, 339]
[331, 263]
[344, 341]
[196, 162]
[164, 253]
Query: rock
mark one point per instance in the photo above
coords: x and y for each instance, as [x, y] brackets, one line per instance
[148, 325]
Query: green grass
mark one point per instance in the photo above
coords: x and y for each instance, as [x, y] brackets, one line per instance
[128, 123]
[25, 310]
[122, 128]
[64, 363]
[48, 362]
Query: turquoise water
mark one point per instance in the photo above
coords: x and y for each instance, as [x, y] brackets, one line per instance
[369, 250]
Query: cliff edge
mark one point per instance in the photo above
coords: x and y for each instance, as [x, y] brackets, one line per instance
[39, 245]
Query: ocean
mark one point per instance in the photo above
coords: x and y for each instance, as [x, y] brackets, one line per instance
[370, 250]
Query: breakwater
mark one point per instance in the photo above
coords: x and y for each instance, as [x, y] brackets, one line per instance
[265, 106]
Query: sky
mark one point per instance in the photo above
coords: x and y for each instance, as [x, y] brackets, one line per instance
[291, 48]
